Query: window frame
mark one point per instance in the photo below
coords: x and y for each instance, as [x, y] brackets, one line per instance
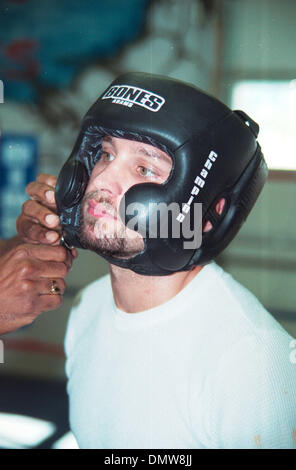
[231, 78]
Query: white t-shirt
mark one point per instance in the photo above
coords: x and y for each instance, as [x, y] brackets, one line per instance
[210, 368]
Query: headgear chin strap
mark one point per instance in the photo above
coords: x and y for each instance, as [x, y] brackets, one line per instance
[214, 153]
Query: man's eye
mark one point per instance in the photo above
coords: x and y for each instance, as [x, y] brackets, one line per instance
[107, 157]
[145, 171]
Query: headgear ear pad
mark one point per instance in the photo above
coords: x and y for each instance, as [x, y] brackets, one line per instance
[214, 154]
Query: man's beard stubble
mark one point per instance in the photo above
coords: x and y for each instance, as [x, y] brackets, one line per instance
[117, 243]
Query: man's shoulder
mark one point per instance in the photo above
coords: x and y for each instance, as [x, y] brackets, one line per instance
[259, 347]
[238, 306]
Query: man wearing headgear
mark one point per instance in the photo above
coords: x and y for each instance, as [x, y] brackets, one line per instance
[168, 351]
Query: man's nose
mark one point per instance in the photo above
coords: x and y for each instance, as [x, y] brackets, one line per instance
[110, 180]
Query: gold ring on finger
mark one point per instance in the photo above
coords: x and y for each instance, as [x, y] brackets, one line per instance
[54, 288]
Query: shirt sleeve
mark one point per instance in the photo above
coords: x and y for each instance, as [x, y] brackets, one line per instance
[251, 397]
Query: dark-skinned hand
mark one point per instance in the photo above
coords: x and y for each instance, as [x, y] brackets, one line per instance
[39, 222]
[27, 273]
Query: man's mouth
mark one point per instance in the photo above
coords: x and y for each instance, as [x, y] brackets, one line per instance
[98, 210]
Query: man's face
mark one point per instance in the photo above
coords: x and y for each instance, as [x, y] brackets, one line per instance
[123, 164]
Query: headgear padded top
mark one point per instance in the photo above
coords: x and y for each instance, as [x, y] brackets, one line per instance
[214, 154]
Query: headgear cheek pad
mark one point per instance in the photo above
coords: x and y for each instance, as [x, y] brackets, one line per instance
[214, 154]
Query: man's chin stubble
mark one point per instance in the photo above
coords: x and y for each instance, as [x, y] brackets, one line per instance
[108, 245]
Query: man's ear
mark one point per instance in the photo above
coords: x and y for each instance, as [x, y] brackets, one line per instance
[218, 209]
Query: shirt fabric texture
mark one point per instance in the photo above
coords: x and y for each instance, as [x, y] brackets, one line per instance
[209, 368]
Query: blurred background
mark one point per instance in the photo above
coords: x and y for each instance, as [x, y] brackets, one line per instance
[56, 57]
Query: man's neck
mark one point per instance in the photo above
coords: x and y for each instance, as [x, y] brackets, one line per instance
[134, 292]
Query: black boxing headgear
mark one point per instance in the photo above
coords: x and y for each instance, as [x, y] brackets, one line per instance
[214, 154]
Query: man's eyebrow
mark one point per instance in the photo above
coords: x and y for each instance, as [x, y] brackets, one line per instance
[142, 151]
[154, 154]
